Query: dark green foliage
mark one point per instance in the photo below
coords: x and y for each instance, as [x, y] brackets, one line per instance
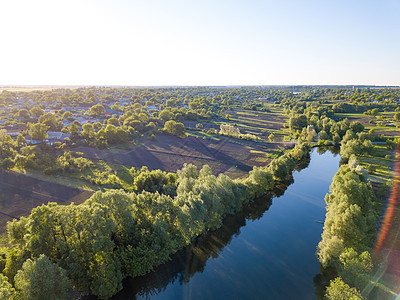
[298, 122]
[338, 290]
[155, 181]
[41, 278]
[357, 126]
[350, 219]
[7, 292]
[282, 167]
[174, 128]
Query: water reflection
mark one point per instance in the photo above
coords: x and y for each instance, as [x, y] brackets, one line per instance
[185, 263]
[191, 260]
[255, 255]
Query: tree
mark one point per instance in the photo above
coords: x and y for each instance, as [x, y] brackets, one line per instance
[21, 140]
[323, 135]
[357, 126]
[271, 137]
[38, 132]
[73, 130]
[50, 121]
[87, 131]
[113, 121]
[23, 113]
[298, 122]
[97, 110]
[6, 143]
[36, 111]
[350, 218]
[6, 289]
[375, 112]
[166, 115]
[338, 290]
[396, 117]
[174, 128]
[41, 278]
[66, 115]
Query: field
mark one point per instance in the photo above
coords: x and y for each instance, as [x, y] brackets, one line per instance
[381, 124]
[20, 193]
[261, 123]
[234, 157]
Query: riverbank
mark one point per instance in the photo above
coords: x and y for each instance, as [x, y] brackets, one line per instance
[252, 255]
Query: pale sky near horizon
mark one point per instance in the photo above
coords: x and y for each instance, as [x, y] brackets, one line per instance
[208, 42]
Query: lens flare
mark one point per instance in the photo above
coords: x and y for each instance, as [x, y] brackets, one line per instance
[387, 246]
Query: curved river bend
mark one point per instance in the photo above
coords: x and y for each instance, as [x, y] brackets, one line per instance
[266, 251]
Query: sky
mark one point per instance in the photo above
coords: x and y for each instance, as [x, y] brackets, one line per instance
[207, 42]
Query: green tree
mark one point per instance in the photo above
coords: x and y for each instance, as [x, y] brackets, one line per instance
[40, 278]
[113, 121]
[23, 113]
[338, 290]
[50, 121]
[36, 111]
[350, 218]
[174, 128]
[73, 130]
[357, 126]
[66, 115]
[166, 115]
[6, 143]
[38, 131]
[7, 292]
[396, 117]
[298, 122]
[97, 110]
[88, 131]
[21, 140]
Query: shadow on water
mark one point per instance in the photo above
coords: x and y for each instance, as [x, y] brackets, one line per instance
[187, 262]
[192, 259]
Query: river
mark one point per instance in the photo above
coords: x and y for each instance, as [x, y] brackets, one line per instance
[266, 251]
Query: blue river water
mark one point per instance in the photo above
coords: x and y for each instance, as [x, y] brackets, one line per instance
[267, 251]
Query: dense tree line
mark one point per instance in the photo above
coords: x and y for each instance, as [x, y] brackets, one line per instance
[349, 230]
[114, 234]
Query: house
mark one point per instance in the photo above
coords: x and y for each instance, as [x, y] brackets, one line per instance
[29, 140]
[56, 136]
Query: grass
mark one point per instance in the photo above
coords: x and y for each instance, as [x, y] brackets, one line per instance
[349, 115]
[202, 134]
[377, 160]
[246, 113]
[70, 181]
[260, 121]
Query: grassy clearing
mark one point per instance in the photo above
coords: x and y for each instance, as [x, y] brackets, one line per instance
[378, 163]
[257, 152]
[203, 135]
[247, 113]
[382, 128]
[260, 121]
[350, 115]
[70, 181]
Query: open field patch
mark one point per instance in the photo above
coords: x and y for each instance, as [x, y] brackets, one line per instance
[20, 193]
[169, 153]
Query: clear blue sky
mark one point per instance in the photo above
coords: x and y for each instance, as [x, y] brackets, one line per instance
[219, 42]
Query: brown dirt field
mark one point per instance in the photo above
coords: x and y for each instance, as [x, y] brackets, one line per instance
[20, 193]
[228, 155]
